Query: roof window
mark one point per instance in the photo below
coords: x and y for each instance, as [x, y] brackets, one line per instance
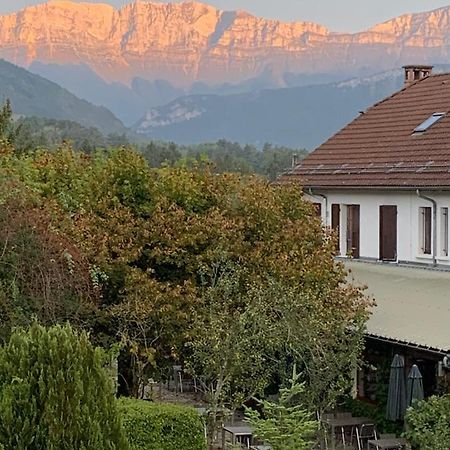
[429, 122]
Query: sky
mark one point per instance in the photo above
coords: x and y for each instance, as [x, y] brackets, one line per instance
[337, 15]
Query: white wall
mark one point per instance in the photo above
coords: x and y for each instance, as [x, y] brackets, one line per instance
[408, 204]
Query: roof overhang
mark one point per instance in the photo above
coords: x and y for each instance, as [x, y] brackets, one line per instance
[376, 188]
[413, 304]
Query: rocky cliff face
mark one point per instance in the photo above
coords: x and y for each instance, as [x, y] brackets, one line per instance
[187, 42]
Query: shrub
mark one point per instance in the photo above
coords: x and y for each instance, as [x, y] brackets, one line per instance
[154, 426]
[428, 424]
[55, 394]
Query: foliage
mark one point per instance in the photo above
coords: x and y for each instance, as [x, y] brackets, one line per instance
[42, 274]
[40, 132]
[428, 424]
[248, 332]
[152, 426]
[224, 156]
[285, 425]
[229, 349]
[156, 240]
[55, 394]
[8, 131]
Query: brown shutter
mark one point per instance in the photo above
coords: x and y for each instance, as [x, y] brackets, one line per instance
[336, 222]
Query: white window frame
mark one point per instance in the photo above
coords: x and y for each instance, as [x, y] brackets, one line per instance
[422, 230]
[444, 232]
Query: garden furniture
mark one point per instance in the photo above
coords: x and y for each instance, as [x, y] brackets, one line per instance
[345, 422]
[387, 443]
[239, 434]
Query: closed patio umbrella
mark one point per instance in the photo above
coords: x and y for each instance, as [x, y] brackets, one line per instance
[415, 386]
[396, 401]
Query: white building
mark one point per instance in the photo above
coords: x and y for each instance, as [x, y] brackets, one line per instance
[383, 183]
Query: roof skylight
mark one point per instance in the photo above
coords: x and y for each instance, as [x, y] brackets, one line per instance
[429, 122]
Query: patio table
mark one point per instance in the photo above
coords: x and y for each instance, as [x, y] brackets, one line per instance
[236, 431]
[387, 444]
[345, 422]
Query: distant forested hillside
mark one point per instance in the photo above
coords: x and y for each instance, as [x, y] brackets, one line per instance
[225, 156]
[32, 95]
[222, 156]
[40, 132]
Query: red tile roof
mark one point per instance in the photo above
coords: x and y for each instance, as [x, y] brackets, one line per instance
[380, 149]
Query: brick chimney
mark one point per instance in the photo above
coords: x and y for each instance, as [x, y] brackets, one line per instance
[415, 73]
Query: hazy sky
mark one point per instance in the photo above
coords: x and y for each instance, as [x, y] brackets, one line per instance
[338, 15]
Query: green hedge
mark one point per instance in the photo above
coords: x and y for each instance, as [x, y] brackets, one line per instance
[156, 426]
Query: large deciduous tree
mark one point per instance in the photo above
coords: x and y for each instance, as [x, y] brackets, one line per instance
[159, 242]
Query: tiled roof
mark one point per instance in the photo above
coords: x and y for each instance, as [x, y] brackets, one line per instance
[379, 149]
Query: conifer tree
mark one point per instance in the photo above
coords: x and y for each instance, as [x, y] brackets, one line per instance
[285, 425]
[55, 393]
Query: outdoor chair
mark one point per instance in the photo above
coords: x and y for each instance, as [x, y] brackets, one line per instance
[364, 434]
[345, 415]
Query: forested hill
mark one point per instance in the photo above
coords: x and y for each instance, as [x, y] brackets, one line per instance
[32, 95]
[222, 156]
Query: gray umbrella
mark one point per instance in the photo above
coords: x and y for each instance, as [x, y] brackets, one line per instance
[396, 401]
[415, 386]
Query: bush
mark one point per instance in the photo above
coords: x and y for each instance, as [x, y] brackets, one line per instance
[428, 424]
[154, 426]
[55, 394]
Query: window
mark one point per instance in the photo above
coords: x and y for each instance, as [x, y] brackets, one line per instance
[444, 232]
[429, 122]
[425, 230]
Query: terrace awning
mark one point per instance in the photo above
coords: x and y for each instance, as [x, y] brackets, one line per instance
[413, 304]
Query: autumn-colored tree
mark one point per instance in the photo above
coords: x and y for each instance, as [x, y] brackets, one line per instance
[157, 238]
[42, 273]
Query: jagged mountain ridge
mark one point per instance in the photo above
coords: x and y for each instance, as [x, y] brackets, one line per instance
[187, 42]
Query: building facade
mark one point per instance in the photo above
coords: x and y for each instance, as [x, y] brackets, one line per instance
[376, 225]
[383, 184]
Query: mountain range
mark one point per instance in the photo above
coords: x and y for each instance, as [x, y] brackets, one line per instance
[187, 42]
[294, 117]
[189, 72]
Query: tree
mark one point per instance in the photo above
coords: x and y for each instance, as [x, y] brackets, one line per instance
[285, 425]
[230, 346]
[55, 394]
[8, 131]
[157, 238]
[42, 273]
[250, 332]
